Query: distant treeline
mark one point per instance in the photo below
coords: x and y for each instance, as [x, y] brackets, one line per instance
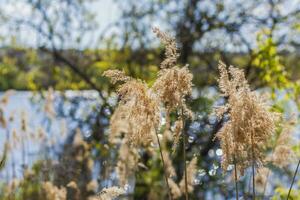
[35, 69]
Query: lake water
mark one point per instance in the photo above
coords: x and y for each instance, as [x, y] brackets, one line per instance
[44, 132]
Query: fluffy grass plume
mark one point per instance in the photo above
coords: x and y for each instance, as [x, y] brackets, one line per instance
[52, 192]
[110, 193]
[173, 83]
[137, 114]
[250, 124]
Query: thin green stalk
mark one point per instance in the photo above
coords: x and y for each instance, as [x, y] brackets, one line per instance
[163, 163]
[293, 180]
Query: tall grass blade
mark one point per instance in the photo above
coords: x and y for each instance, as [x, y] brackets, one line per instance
[293, 180]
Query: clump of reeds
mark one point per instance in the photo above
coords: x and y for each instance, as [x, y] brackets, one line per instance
[137, 118]
[251, 123]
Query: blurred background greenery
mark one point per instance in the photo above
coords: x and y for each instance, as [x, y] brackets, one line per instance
[65, 45]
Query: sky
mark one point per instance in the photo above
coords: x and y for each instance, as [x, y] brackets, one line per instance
[106, 12]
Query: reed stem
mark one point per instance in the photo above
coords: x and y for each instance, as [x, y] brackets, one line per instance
[253, 180]
[236, 181]
[184, 156]
[185, 167]
[163, 163]
[253, 168]
[293, 180]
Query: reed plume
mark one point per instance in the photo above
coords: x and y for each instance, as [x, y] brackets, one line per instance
[177, 190]
[170, 170]
[136, 120]
[251, 123]
[137, 114]
[283, 154]
[110, 193]
[173, 85]
[127, 162]
[52, 192]
[191, 172]
[137, 117]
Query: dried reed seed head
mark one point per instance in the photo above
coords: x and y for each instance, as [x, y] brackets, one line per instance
[52, 192]
[231, 80]
[226, 142]
[73, 185]
[175, 190]
[49, 103]
[167, 136]
[127, 162]
[178, 190]
[92, 186]
[173, 85]
[250, 121]
[78, 139]
[261, 178]
[171, 48]
[191, 174]
[116, 76]
[170, 171]
[187, 112]
[137, 114]
[283, 154]
[118, 124]
[178, 127]
[110, 193]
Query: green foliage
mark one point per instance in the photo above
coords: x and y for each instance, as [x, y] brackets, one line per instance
[272, 72]
[282, 192]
